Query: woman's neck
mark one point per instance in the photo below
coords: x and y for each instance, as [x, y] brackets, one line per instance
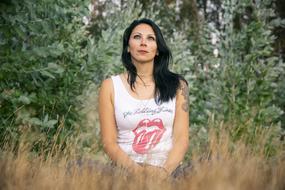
[145, 76]
[145, 70]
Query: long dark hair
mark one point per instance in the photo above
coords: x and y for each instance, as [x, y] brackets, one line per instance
[166, 82]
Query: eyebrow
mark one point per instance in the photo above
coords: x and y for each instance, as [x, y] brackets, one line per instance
[147, 34]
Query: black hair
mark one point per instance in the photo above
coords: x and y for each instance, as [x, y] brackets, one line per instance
[166, 82]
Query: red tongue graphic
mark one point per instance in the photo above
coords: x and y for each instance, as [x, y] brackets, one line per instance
[147, 134]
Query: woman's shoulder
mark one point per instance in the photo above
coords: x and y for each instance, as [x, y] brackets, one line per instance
[108, 82]
[183, 88]
[183, 83]
[106, 85]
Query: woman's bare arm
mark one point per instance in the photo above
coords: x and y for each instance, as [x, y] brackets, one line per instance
[109, 130]
[180, 129]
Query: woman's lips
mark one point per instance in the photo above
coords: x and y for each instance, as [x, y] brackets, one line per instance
[142, 51]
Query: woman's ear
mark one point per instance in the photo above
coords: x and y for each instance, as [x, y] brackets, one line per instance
[128, 49]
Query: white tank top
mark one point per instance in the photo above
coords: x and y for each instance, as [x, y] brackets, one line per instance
[144, 128]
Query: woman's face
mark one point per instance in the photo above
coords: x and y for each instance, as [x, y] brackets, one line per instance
[142, 44]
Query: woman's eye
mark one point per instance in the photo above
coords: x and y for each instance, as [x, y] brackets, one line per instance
[151, 38]
[137, 36]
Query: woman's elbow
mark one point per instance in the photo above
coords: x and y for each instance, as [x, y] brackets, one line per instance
[183, 143]
[109, 147]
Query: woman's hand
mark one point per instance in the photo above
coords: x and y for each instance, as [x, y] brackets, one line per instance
[156, 171]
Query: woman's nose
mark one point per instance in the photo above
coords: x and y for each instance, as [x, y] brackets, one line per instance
[143, 42]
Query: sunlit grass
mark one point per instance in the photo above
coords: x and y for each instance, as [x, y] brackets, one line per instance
[228, 166]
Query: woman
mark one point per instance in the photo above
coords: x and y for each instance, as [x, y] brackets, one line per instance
[144, 112]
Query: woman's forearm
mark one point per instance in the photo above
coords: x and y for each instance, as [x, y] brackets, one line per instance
[120, 157]
[176, 155]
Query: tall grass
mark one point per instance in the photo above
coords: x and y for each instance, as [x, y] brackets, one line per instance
[228, 165]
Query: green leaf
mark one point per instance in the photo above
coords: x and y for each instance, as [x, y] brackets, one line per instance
[35, 121]
[24, 99]
[55, 68]
[41, 52]
[47, 74]
[51, 123]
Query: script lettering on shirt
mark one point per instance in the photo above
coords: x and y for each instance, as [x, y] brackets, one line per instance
[147, 111]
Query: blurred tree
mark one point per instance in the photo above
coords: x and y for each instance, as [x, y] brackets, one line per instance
[43, 68]
[55, 53]
[279, 31]
[245, 86]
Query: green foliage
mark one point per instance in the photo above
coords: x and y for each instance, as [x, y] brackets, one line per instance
[249, 70]
[244, 87]
[52, 65]
[106, 51]
[43, 66]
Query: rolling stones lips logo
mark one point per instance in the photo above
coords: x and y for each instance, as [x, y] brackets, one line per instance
[147, 134]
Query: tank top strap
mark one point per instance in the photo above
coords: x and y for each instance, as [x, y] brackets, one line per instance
[118, 86]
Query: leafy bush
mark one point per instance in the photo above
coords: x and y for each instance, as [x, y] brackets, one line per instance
[246, 80]
[43, 66]
[52, 64]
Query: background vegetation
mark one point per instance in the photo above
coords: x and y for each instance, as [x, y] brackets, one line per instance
[55, 53]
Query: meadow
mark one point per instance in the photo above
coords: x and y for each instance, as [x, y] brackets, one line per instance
[223, 166]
